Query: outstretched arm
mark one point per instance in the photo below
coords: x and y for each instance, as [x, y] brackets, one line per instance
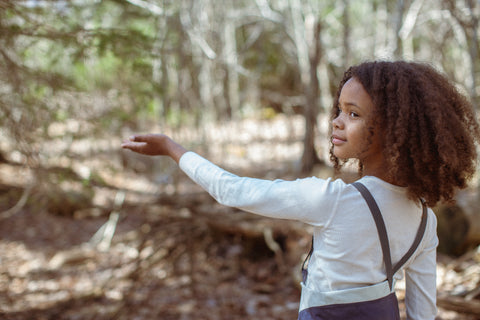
[297, 200]
[155, 145]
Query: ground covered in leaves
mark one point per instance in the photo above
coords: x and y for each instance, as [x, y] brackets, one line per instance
[161, 264]
[165, 261]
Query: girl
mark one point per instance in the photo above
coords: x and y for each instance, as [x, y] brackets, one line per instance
[414, 137]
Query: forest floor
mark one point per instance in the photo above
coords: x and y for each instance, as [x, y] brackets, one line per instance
[169, 252]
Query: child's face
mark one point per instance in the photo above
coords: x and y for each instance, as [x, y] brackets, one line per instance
[352, 135]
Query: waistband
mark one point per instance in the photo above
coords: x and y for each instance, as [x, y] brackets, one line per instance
[311, 298]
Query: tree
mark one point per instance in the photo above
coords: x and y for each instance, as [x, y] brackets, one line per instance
[465, 15]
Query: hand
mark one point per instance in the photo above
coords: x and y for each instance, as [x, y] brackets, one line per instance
[155, 145]
[148, 144]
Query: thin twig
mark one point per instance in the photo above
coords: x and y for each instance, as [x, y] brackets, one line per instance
[103, 237]
[18, 206]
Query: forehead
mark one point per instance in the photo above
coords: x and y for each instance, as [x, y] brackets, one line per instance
[354, 93]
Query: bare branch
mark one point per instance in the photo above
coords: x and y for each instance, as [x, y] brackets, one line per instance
[151, 7]
[267, 12]
[410, 19]
[195, 35]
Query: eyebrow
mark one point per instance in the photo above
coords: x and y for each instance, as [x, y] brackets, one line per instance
[349, 103]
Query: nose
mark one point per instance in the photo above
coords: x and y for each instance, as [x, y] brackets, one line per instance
[337, 122]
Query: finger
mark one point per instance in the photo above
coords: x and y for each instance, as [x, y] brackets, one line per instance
[127, 141]
[133, 145]
[140, 138]
[134, 138]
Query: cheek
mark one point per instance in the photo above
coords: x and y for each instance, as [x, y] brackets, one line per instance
[372, 143]
[362, 140]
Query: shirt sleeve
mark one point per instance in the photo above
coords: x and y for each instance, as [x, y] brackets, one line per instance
[303, 199]
[420, 277]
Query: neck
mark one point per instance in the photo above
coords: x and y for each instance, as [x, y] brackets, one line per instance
[378, 169]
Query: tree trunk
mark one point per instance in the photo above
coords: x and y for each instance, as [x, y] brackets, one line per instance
[473, 52]
[346, 34]
[306, 35]
[405, 33]
[312, 89]
[231, 61]
[398, 22]
[469, 24]
[459, 304]
[459, 224]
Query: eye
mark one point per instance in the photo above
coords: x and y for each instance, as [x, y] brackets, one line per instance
[353, 114]
[338, 110]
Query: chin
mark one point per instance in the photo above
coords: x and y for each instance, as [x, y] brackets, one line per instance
[339, 155]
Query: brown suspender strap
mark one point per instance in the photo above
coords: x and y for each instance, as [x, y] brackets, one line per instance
[307, 258]
[382, 233]
[381, 229]
[416, 242]
[308, 255]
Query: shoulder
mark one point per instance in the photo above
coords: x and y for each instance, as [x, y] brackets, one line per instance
[323, 190]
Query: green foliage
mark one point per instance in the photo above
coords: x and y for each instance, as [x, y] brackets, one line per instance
[177, 117]
[97, 74]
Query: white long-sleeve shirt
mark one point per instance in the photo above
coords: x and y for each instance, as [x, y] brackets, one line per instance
[347, 251]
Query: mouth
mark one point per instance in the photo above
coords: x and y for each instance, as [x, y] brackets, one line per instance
[337, 140]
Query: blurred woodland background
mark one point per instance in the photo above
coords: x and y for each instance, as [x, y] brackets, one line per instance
[88, 231]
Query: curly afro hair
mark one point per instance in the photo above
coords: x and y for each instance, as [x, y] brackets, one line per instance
[429, 129]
